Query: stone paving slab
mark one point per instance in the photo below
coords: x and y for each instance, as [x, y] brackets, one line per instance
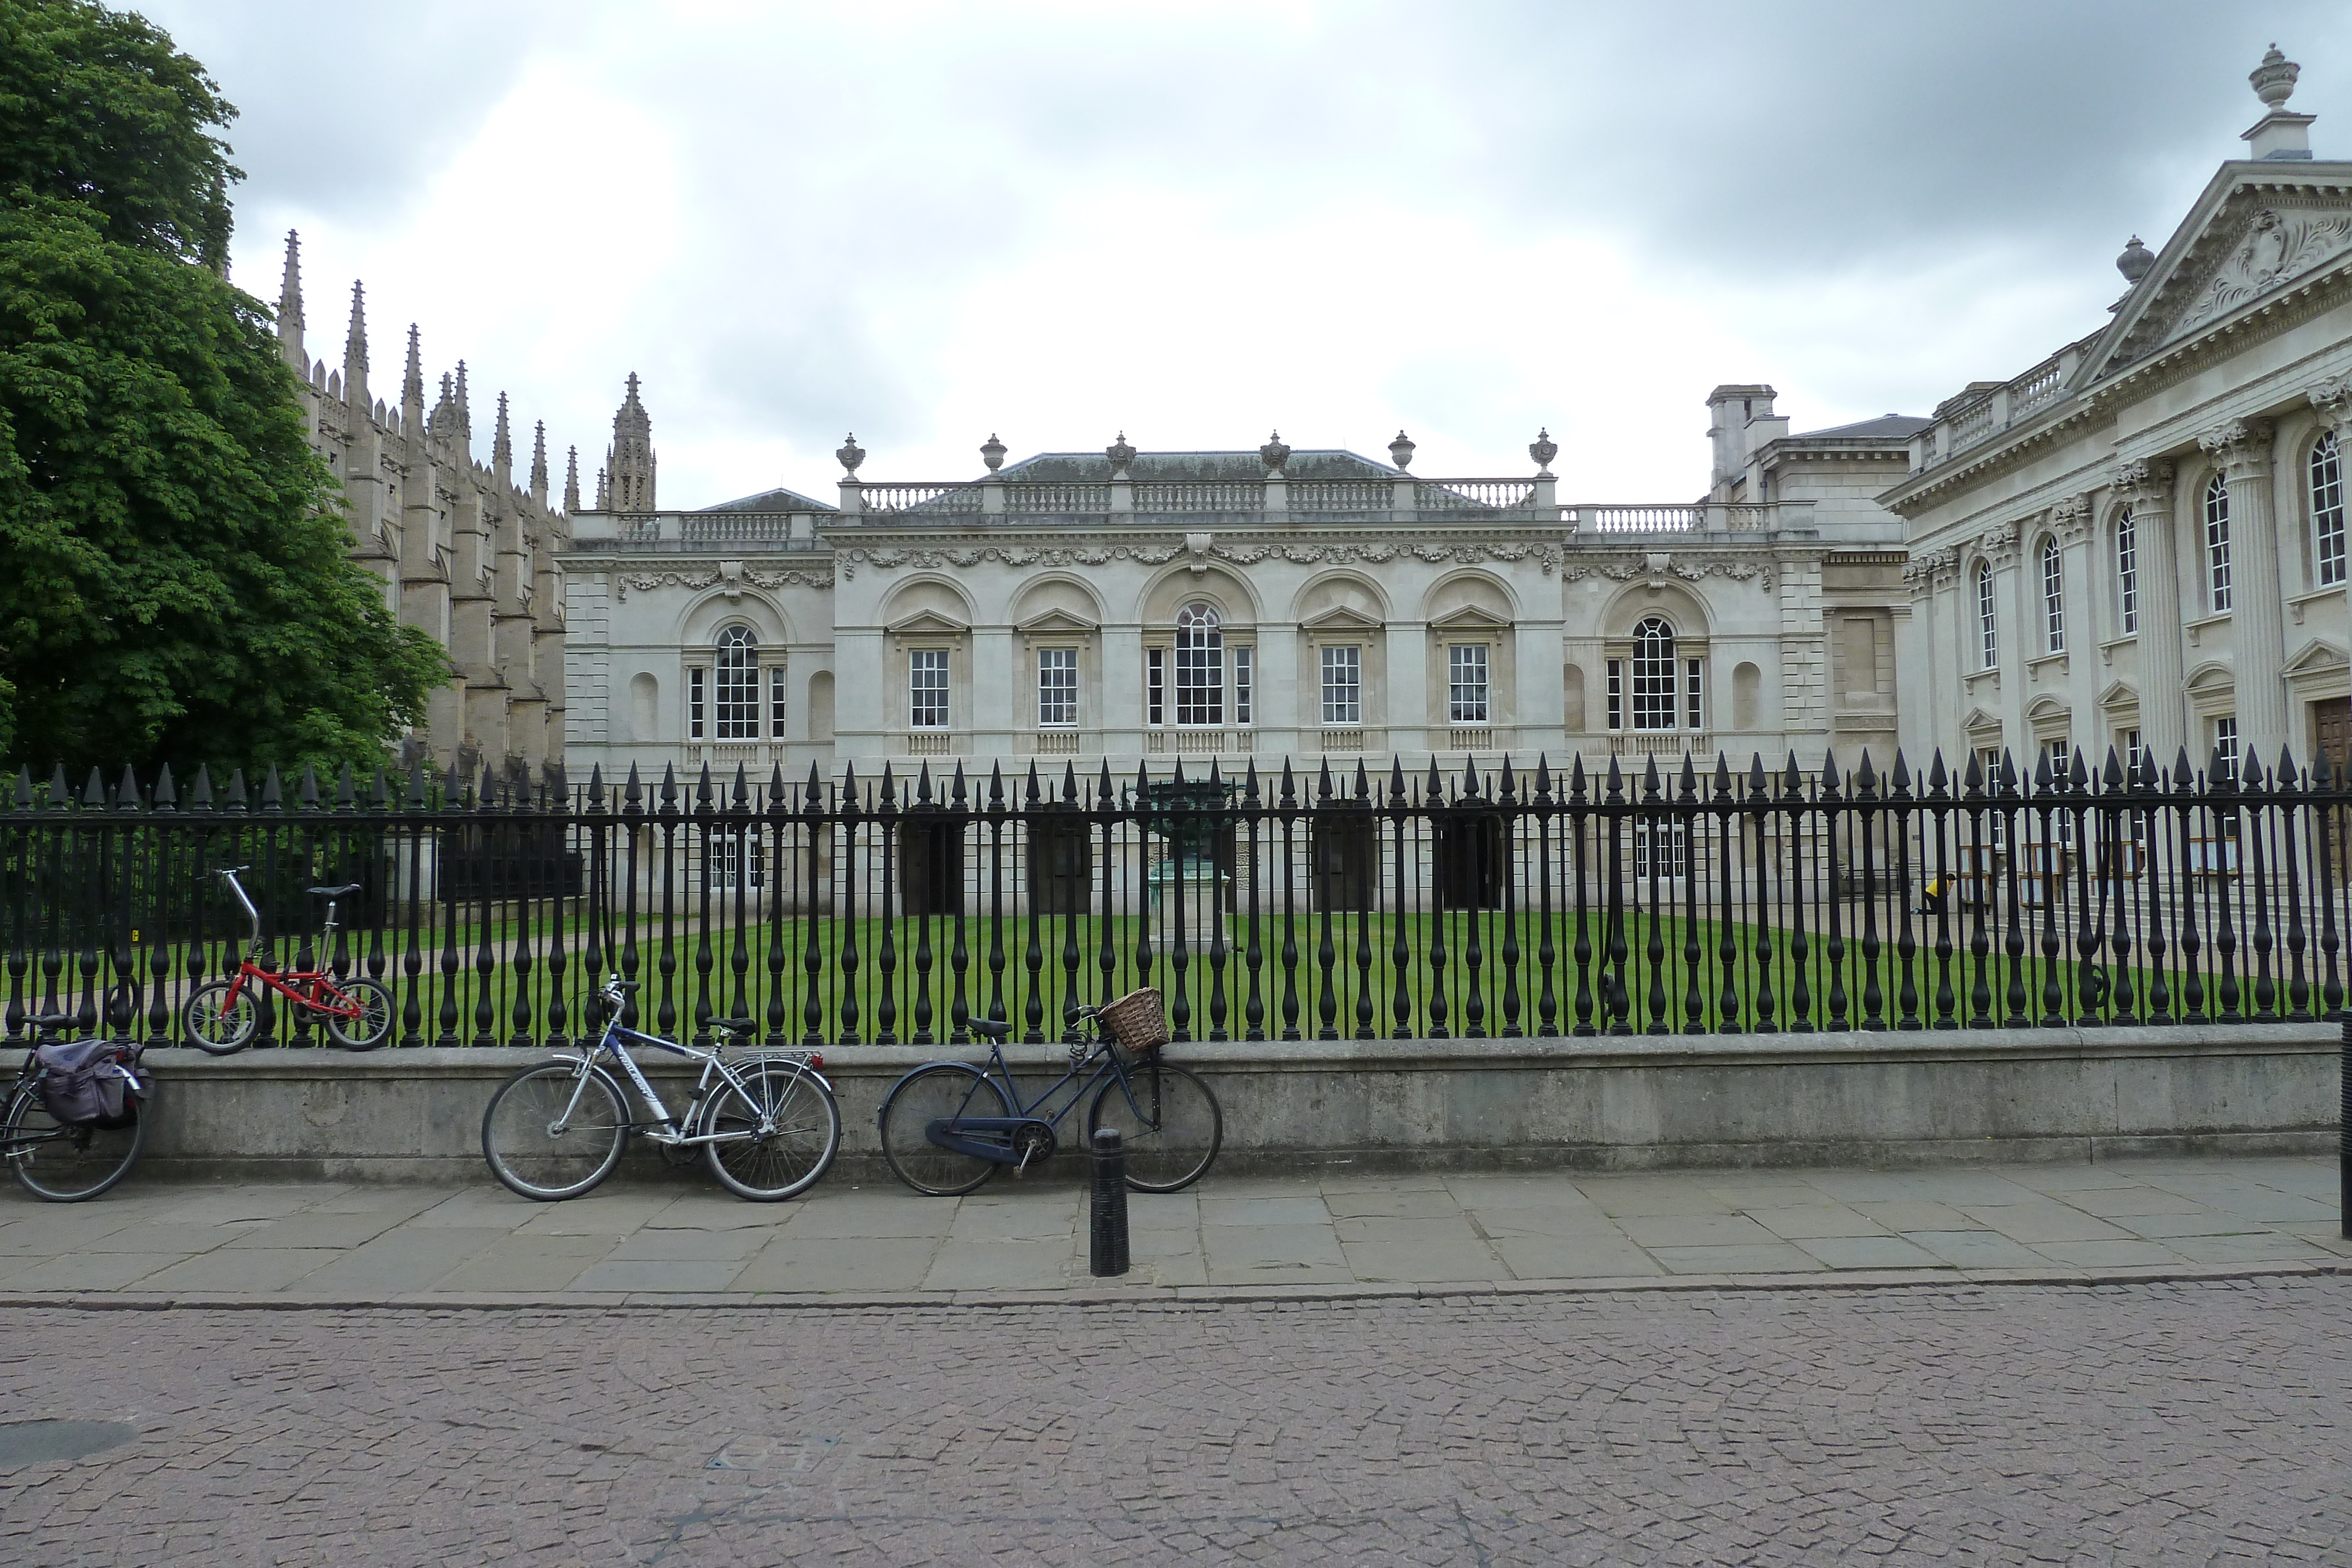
[158, 1240]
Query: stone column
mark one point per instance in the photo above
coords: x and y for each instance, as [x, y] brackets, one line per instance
[2086, 627]
[2146, 486]
[2257, 610]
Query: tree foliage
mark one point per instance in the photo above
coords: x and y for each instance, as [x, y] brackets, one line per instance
[173, 577]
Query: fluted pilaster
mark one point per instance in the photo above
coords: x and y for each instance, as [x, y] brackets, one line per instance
[2257, 607]
[2146, 489]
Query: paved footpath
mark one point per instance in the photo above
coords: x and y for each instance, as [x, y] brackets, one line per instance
[1336, 1234]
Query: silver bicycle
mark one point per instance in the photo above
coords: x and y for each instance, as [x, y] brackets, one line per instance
[766, 1123]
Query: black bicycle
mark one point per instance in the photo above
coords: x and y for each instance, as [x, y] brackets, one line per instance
[948, 1126]
[66, 1162]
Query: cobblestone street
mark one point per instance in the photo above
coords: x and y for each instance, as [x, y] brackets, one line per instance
[2131, 1424]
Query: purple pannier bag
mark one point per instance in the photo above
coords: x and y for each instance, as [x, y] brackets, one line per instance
[89, 1083]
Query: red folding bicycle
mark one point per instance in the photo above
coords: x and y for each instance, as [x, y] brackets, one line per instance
[223, 1015]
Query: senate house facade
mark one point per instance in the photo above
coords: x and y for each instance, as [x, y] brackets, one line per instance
[2138, 543]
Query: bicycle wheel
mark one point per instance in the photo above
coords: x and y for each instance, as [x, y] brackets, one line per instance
[66, 1164]
[216, 1022]
[550, 1133]
[927, 1095]
[805, 1133]
[373, 1026]
[1166, 1120]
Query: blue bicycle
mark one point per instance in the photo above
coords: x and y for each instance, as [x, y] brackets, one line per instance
[948, 1126]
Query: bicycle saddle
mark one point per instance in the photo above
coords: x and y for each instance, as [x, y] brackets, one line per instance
[334, 892]
[49, 1021]
[989, 1029]
[745, 1027]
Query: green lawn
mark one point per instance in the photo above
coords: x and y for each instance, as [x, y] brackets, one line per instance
[844, 981]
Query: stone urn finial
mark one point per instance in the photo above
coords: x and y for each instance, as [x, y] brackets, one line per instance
[1275, 454]
[1543, 449]
[1401, 451]
[2274, 79]
[851, 454]
[2135, 262]
[992, 452]
[1121, 454]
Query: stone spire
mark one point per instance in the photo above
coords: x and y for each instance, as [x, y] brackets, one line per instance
[289, 308]
[445, 421]
[465, 411]
[502, 442]
[412, 384]
[355, 360]
[571, 482]
[539, 465]
[630, 462]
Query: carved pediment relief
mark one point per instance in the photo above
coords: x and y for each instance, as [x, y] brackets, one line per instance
[2316, 655]
[2247, 250]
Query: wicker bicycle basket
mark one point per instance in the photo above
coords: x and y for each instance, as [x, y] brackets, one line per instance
[1138, 1021]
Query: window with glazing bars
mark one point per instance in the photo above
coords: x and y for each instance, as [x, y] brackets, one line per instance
[1155, 686]
[2327, 510]
[1694, 693]
[1616, 693]
[2128, 571]
[1653, 674]
[1465, 665]
[694, 699]
[927, 688]
[1343, 685]
[738, 685]
[1200, 665]
[2217, 544]
[1057, 687]
[1244, 683]
[1987, 640]
[2225, 749]
[775, 702]
[2054, 598]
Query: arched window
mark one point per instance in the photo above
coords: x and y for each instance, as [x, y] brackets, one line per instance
[2054, 598]
[2217, 544]
[1653, 674]
[1200, 664]
[1987, 640]
[2127, 572]
[2327, 510]
[737, 682]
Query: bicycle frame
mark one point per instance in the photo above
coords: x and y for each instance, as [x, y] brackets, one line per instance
[1105, 1063]
[667, 1128]
[250, 966]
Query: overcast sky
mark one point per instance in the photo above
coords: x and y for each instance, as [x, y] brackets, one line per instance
[1198, 222]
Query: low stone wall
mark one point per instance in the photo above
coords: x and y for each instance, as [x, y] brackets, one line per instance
[1872, 1099]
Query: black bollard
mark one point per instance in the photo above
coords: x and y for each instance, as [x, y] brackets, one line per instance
[1106, 1236]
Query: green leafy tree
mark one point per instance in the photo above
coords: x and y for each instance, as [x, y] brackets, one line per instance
[174, 582]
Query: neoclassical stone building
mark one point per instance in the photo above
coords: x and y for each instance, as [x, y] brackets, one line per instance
[462, 550]
[2140, 541]
[1074, 607]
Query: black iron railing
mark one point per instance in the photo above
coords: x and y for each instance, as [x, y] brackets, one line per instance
[1286, 905]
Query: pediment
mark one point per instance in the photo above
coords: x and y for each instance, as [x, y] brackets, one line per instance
[2245, 239]
[2048, 710]
[1977, 719]
[927, 620]
[2209, 678]
[1340, 618]
[1054, 623]
[2316, 655]
[1469, 618]
[2120, 694]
